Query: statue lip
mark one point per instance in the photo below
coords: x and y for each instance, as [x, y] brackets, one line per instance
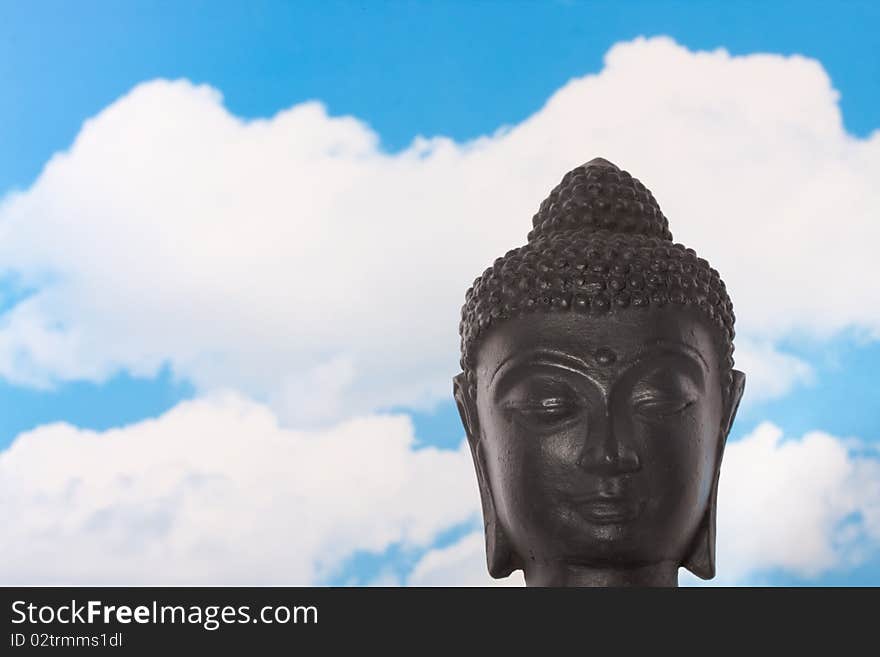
[608, 509]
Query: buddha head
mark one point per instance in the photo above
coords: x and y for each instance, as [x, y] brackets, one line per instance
[598, 391]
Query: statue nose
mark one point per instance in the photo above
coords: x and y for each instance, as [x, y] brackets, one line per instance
[605, 454]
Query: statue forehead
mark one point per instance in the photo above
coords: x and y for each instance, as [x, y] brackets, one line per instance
[604, 339]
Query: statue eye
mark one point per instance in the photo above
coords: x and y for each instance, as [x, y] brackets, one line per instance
[660, 406]
[664, 393]
[546, 407]
[548, 411]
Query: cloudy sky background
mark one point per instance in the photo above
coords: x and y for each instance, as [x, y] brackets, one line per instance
[234, 242]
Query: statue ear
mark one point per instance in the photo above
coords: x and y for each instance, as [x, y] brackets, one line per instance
[701, 559]
[467, 407]
[733, 399]
[500, 557]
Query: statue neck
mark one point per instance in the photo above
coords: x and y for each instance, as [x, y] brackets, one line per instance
[664, 573]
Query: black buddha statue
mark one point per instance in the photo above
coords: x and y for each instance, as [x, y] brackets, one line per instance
[597, 392]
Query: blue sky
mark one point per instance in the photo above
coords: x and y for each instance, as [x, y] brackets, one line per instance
[406, 69]
[453, 68]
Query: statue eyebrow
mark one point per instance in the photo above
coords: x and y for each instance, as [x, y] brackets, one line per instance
[538, 356]
[671, 346]
[575, 364]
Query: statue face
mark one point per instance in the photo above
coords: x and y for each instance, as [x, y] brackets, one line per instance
[600, 435]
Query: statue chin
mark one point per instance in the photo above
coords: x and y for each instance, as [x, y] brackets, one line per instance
[597, 425]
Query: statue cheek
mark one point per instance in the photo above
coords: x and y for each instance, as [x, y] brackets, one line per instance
[507, 449]
[678, 454]
[530, 472]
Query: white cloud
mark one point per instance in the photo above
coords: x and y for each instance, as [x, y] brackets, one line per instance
[215, 492]
[804, 506]
[293, 260]
[771, 373]
[461, 564]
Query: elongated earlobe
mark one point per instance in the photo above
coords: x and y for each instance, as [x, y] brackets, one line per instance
[701, 558]
[500, 558]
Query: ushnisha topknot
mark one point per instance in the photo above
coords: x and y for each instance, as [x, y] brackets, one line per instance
[599, 243]
[600, 196]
